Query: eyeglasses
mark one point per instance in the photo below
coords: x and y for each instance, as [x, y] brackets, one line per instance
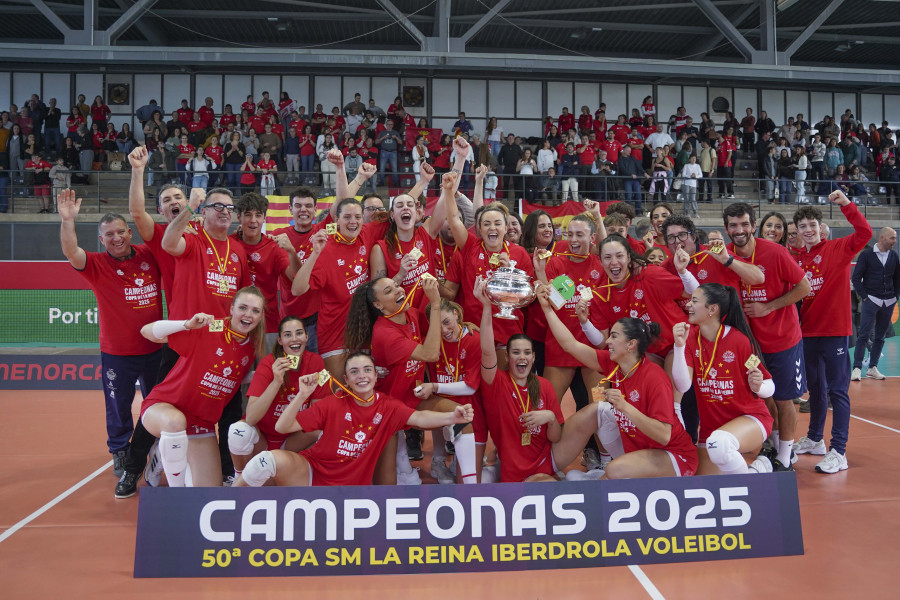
[219, 207]
[369, 209]
[678, 237]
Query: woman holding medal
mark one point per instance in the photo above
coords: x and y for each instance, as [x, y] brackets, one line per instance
[521, 408]
[719, 356]
[456, 376]
[356, 422]
[275, 382]
[215, 355]
[381, 319]
[635, 419]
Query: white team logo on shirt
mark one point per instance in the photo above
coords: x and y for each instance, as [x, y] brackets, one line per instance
[595, 274]
[702, 274]
[301, 254]
[419, 244]
[234, 257]
[809, 275]
[817, 259]
[697, 353]
[244, 361]
[139, 282]
[638, 294]
[712, 373]
[633, 313]
[481, 256]
[291, 397]
[377, 419]
[219, 352]
[360, 436]
[362, 250]
[634, 396]
[397, 255]
[255, 257]
[357, 269]
[209, 251]
[341, 262]
[145, 266]
[119, 272]
[462, 355]
[617, 309]
[226, 371]
[728, 356]
[347, 417]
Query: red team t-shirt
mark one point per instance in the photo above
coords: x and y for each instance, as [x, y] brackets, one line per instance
[474, 260]
[503, 409]
[267, 263]
[353, 437]
[460, 361]
[198, 272]
[307, 304]
[209, 372]
[128, 297]
[392, 258]
[584, 274]
[707, 270]
[649, 390]
[392, 348]
[724, 394]
[780, 329]
[651, 296]
[309, 363]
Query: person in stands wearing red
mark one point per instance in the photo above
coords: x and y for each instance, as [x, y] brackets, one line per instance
[347, 451]
[40, 169]
[183, 409]
[566, 120]
[207, 114]
[275, 383]
[826, 321]
[713, 354]
[126, 282]
[100, 113]
[185, 113]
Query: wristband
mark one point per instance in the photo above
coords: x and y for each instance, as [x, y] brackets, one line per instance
[728, 262]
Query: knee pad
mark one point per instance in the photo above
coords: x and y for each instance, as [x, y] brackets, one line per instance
[721, 447]
[242, 437]
[260, 469]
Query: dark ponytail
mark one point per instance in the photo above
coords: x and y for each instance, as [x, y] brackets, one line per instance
[731, 310]
[644, 333]
[361, 318]
[532, 383]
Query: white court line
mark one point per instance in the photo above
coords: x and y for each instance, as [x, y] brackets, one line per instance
[645, 581]
[876, 424]
[6, 534]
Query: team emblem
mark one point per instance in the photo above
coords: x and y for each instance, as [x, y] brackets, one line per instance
[347, 417]
[244, 361]
[226, 371]
[702, 274]
[633, 313]
[209, 251]
[818, 259]
[255, 257]
[362, 250]
[360, 436]
[481, 256]
[397, 255]
[728, 356]
[340, 262]
[139, 282]
[219, 352]
[358, 269]
[595, 274]
[617, 309]
[119, 272]
[634, 396]
[712, 373]
[462, 355]
[234, 257]
[301, 254]
[377, 419]
[145, 266]
[639, 294]
[291, 397]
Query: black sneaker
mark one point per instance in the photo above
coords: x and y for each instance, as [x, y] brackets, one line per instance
[127, 486]
[804, 407]
[119, 462]
[777, 466]
[449, 448]
[414, 444]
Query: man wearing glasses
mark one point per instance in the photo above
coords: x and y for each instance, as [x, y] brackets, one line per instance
[372, 205]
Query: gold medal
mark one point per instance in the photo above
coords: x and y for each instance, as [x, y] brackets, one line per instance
[295, 360]
[416, 254]
[526, 438]
[427, 275]
[717, 248]
[331, 228]
[324, 376]
[544, 254]
[597, 394]
[223, 286]
[752, 362]
[217, 325]
[495, 259]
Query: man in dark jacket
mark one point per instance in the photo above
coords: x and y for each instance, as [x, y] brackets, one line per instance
[890, 177]
[631, 174]
[508, 158]
[876, 279]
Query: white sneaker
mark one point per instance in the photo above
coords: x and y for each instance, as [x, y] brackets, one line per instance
[833, 462]
[856, 374]
[440, 471]
[490, 473]
[154, 469]
[806, 446]
[761, 465]
[578, 475]
[874, 373]
[411, 478]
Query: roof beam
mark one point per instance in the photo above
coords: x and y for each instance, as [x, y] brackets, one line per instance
[129, 18]
[51, 16]
[700, 50]
[484, 20]
[151, 32]
[403, 20]
[621, 8]
[726, 28]
[811, 29]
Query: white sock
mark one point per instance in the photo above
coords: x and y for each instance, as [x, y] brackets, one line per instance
[784, 451]
[403, 465]
[437, 442]
[465, 457]
[678, 414]
[724, 451]
[775, 437]
[608, 430]
[173, 449]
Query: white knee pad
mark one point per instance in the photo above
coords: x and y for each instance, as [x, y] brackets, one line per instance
[260, 469]
[173, 452]
[722, 448]
[242, 437]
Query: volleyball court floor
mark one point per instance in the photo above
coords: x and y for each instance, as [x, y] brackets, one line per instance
[63, 534]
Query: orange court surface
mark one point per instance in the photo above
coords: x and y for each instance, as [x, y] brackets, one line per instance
[64, 535]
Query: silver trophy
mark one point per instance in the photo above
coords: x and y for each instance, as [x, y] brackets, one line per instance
[509, 288]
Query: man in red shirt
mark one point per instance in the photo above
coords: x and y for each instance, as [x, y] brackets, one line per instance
[126, 282]
[771, 311]
[566, 120]
[207, 114]
[249, 105]
[258, 121]
[185, 154]
[826, 321]
[185, 113]
[611, 146]
[725, 171]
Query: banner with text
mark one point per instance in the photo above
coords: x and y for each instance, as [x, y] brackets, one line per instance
[50, 372]
[253, 532]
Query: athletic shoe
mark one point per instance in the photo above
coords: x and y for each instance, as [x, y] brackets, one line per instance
[590, 459]
[804, 407]
[411, 478]
[797, 400]
[441, 472]
[577, 475]
[119, 462]
[228, 481]
[856, 374]
[833, 462]
[490, 473]
[874, 373]
[127, 486]
[449, 448]
[806, 446]
[769, 450]
[794, 457]
[761, 465]
[730, 196]
[777, 467]
[154, 469]
[414, 444]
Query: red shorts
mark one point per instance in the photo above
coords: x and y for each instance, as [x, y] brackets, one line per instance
[685, 465]
[42, 190]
